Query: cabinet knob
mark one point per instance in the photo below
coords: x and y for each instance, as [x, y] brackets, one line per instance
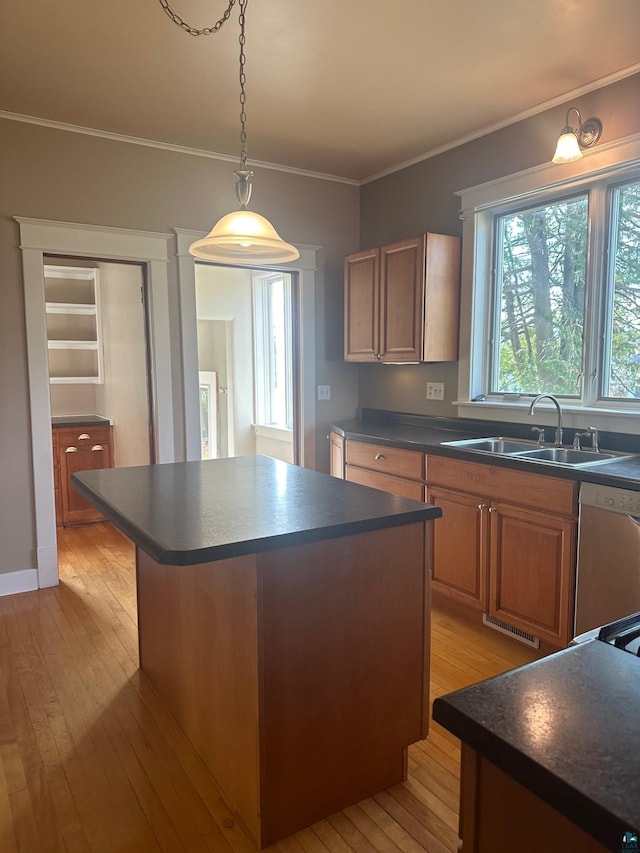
[492, 509]
[379, 457]
[482, 507]
[83, 435]
[97, 447]
[71, 450]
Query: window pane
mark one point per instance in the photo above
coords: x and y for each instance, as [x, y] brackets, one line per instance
[622, 373]
[539, 299]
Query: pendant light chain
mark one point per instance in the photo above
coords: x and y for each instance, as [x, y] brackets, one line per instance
[243, 81]
[193, 31]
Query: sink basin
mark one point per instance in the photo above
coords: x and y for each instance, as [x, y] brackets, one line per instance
[522, 449]
[493, 445]
[566, 456]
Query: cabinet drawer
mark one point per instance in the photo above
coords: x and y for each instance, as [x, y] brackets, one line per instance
[385, 482]
[538, 491]
[81, 435]
[388, 460]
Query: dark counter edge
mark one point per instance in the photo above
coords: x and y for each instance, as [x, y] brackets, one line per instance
[250, 546]
[442, 429]
[561, 796]
[79, 420]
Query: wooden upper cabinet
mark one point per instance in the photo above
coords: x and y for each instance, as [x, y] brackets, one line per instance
[362, 305]
[402, 301]
[401, 289]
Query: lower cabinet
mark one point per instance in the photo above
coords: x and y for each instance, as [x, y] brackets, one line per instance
[390, 469]
[78, 449]
[506, 544]
[336, 455]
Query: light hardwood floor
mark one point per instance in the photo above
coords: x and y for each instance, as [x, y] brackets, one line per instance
[91, 761]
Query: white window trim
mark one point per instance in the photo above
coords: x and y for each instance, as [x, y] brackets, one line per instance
[606, 161]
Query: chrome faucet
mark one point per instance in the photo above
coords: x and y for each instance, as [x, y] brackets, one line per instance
[558, 439]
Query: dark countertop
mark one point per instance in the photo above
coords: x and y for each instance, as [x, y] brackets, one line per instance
[79, 420]
[566, 728]
[426, 434]
[183, 513]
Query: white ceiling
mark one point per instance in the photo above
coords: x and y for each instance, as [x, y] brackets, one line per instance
[343, 87]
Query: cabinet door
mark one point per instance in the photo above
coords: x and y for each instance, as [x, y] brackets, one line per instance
[362, 306]
[460, 546]
[532, 571]
[441, 298]
[336, 455]
[401, 289]
[75, 509]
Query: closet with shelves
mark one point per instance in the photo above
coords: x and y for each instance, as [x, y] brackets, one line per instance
[73, 325]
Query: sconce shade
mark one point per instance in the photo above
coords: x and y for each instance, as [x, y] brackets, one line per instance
[567, 149]
[246, 238]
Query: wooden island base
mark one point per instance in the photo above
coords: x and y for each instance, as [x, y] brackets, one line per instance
[299, 674]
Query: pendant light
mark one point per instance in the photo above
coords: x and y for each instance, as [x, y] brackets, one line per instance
[242, 236]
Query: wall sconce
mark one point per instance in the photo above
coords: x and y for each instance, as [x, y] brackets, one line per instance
[572, 140]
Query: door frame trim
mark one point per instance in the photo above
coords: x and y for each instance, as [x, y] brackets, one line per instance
[37, 238]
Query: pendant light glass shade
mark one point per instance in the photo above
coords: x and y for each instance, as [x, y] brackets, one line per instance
[567, 149]
[244, 237]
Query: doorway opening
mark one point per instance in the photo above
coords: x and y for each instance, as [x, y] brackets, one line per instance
[99, 372]
[248, 362]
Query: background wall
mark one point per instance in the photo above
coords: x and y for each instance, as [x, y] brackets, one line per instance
[225, 294]
[423, 198]
[123, 396]
[69, 177]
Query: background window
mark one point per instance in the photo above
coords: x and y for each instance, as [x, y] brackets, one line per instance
[621, 362]
[539, 299]
[273, 350]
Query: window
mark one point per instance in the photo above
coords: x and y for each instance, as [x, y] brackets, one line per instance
[273, 350]
[556, 286]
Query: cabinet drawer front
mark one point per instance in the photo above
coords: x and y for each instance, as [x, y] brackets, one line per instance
[539, 491]
[385, 482]
[390, 460]
[81, 435]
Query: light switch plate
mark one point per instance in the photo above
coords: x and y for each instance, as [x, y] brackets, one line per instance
[324, 392]
[435, 390]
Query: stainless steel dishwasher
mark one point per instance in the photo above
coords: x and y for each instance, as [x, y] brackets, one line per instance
[608, 575]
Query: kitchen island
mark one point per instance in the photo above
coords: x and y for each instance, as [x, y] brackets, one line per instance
[550, 754]
[283, 618]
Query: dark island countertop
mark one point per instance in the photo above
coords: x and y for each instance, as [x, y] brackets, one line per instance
[564, 727]
[79, 420]
[426, 434]
[184, 513]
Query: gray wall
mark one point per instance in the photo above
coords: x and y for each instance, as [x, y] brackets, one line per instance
[422, 198]
[52, 174]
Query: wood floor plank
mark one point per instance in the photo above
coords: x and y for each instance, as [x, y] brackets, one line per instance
[90, 759]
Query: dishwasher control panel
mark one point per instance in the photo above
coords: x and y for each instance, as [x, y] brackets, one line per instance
[611, 498]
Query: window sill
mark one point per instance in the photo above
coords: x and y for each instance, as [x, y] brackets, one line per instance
[278, 433]
[517, 411]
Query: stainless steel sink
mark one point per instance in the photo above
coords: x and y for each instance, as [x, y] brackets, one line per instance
[529, 450]
[566, 456]
[493, 445]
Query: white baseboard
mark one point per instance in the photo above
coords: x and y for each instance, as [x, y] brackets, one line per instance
[14, 582]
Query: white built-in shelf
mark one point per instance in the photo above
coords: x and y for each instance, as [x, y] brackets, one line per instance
[74, 340]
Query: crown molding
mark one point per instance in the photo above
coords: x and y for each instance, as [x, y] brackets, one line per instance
[168, 146]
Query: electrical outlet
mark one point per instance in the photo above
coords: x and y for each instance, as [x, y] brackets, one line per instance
[324, 392]
[435, 390]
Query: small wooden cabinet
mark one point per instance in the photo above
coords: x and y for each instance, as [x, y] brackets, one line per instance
[402, 301]
[390, 469]
[78, 448]
[506, 544]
